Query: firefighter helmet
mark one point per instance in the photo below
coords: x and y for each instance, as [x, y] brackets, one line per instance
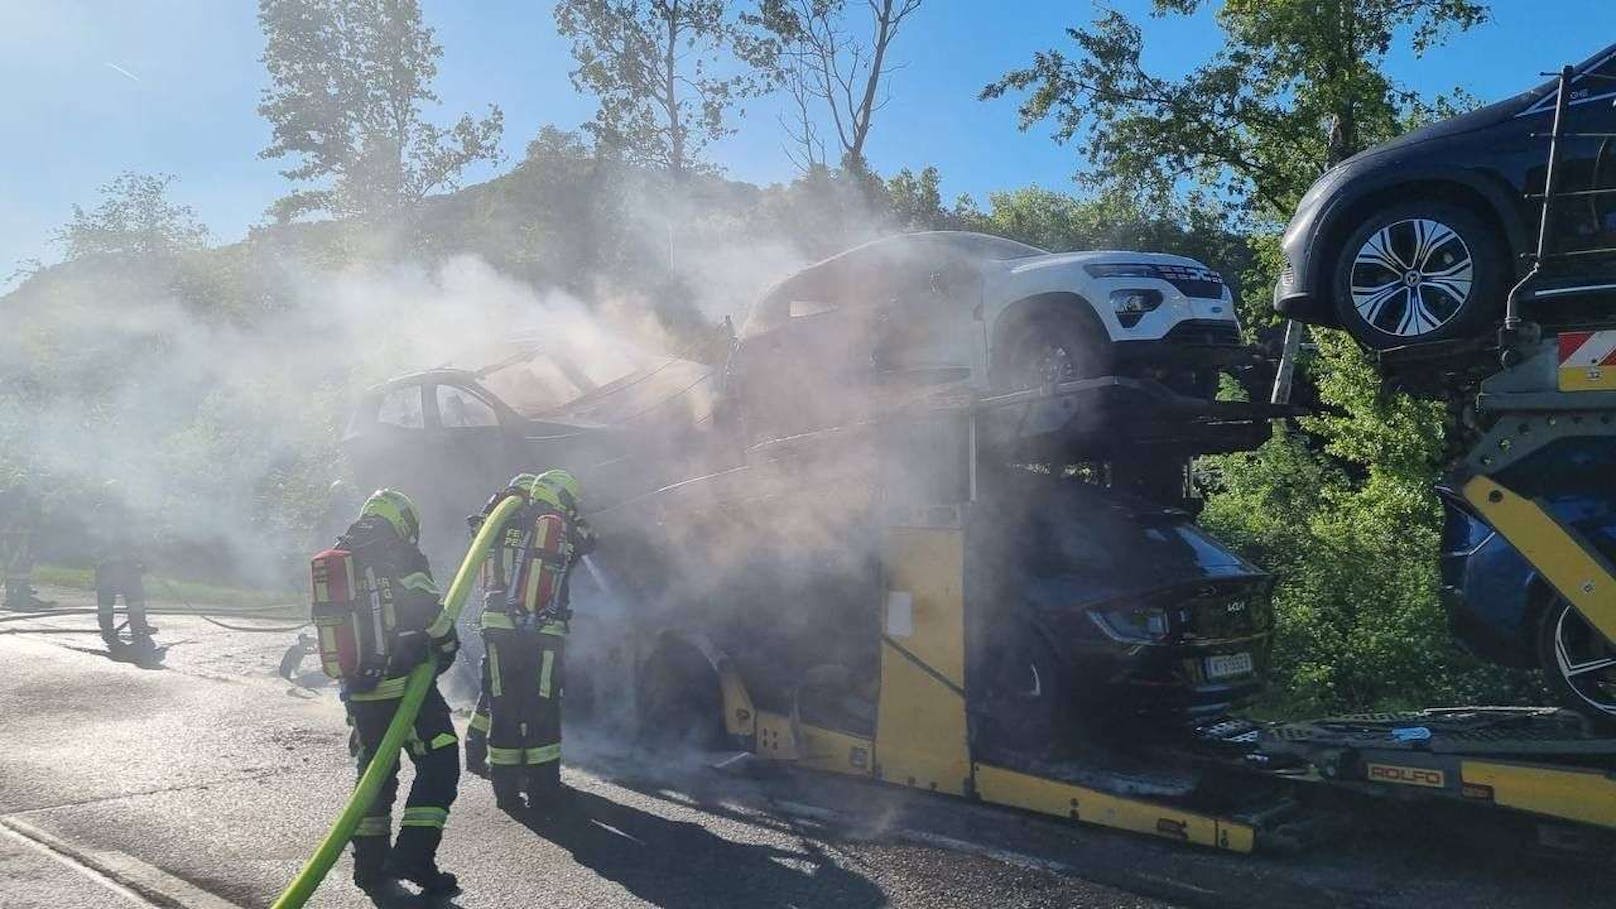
[565, 485]
[523, 483]
[396, 509]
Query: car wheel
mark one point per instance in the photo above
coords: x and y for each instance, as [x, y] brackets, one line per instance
[1419, 272]
[677, 701]
[1022, 708]
[1578, 662]
[1047, 349]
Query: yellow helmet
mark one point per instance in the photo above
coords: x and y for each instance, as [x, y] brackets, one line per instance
[564, 484]
[396, 509]
[535, 489]
[523, 483]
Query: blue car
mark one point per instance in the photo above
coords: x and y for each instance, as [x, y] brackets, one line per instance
[1502, 610]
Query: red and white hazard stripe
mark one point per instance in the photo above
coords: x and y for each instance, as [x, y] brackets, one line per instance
[1579, 349]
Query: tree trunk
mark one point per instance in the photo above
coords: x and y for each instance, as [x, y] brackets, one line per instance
[676, 133]
[866, 109]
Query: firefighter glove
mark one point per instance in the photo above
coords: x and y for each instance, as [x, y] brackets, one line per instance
[446, 648]
[411, 649]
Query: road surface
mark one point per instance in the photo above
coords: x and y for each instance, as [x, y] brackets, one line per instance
[206, 782]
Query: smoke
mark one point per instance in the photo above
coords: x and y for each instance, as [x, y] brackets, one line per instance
[221, 426]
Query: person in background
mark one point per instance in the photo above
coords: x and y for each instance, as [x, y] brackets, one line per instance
[119, 565]
[19, 521]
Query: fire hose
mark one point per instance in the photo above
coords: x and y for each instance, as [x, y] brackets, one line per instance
[415, 689]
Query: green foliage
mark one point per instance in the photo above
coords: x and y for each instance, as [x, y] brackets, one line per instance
[666, 73]
[134, 218]
[1298, 86]
[1353, 542]
[348, 79]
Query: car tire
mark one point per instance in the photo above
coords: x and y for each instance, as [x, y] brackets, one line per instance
[1574, 655]
[1441, 256]
[1048, 347]
[1023, 707]
[677, 701]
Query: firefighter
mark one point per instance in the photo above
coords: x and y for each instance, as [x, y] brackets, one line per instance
[19, 518]
[386, 537]
[118, 566]
[516, 728]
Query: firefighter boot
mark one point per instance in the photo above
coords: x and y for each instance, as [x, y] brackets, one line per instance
[507, 788]
[414, 859]
[370, 855]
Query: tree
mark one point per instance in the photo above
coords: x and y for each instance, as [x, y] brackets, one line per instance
[666, 73]
[829, 71]
[136, 218]
[1298, 86]
[348, 81]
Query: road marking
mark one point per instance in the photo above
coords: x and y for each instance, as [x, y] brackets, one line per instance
[82, 869]
[146, 884]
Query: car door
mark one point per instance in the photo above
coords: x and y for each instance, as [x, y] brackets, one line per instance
[384, 437]
[926, 318]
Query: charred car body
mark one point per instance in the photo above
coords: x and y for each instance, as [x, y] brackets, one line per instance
[453, 435]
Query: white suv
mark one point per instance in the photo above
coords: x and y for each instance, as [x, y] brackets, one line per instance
[949, 308]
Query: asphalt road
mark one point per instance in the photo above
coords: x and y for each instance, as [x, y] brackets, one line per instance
[206, 783]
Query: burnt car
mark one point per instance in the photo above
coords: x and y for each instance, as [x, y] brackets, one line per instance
[1501, 608]
[864, 331]
[1106, 608]
[1421, 238]
[452, 436]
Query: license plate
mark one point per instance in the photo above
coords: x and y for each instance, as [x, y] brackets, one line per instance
[1228, 664]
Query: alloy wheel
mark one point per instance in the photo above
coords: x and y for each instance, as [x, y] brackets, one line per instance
[1585, 660]
[1411, 277]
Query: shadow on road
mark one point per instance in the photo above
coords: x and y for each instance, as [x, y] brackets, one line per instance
[682, 865]
[148, 658]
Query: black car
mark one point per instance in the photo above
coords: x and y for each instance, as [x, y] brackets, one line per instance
[1420, 239]
[1105, 608]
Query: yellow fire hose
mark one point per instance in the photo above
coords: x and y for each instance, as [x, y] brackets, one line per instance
[381, 763]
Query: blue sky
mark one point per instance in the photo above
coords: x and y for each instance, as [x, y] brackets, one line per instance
[89, 88]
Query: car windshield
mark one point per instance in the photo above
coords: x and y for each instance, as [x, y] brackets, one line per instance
[535, 382]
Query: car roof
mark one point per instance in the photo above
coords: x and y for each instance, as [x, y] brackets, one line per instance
[772, 308]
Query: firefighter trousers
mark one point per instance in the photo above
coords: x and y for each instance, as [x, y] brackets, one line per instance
[112, 578]
[517, 723]
[434, 749]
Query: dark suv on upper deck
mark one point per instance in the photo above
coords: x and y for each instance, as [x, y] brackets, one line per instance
[1421, 238]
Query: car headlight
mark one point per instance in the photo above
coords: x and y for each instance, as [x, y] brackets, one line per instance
[1135, 625]
[1131, 305]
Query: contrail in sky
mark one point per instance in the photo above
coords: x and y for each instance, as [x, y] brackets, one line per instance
[116, 68]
